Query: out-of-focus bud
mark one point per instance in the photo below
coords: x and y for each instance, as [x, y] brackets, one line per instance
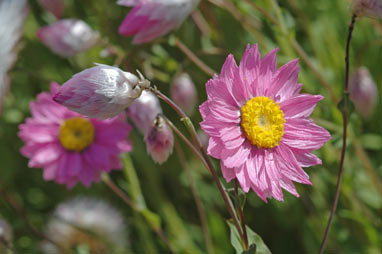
[363, 92]
[203, 138]
[183, 92]
[5, 237]
[88, 223]
[159, 140]
[144, 110]
[56, 7]
[102, 91]
[368, 8]
[68, 37]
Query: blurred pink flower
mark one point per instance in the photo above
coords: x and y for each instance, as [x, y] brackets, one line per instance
[56, 7]
[102, 91]
[68, 37]
[150, 19]
[258, 124]
[144, 110]
[363, 92]
[159, 140]
[70, 147]
[368, 8]
[183, 93]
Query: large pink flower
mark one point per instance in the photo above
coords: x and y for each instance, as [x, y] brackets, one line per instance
[150, 19]
[69, 146]
[258, 124]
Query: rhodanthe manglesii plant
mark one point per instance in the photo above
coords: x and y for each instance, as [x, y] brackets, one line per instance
[70, 147]
[150, 19]
[259, 125]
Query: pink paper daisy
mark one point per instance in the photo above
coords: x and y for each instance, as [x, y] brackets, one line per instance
[69, 146]
[258, 124]
[150, 19]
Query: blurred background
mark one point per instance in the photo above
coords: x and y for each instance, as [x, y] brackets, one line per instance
[313, 31]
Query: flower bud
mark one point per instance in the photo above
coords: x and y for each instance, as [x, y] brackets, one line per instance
[159, 140]
[144, 110]
[5, 236]
[363, 92]
[368, 8]
[68, 37]
[203, 138]
[102, 91]
[56, 7]
[183, 92]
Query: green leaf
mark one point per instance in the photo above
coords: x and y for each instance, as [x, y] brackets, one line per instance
[152, 218]
[256, 244]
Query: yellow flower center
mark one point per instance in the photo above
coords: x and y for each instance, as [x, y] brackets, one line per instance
[76, 134]
[263, 122]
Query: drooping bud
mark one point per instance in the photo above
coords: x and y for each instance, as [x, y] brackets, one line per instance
[102, 91]
[56, 7]
[368, 8]
[144, 110]
[159, 140]
[363, 92]
[5, 237]
[68, 37]
[183, 92]
[203, 138]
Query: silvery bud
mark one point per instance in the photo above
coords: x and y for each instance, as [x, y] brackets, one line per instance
[183, 93]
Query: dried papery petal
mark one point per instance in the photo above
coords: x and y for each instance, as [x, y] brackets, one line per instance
[144, 110]
[56, 7]
[150, 19]
[102, 91]
[159, 140]
[368, 8]
[363, 92]
[68, 37]
[183, 93]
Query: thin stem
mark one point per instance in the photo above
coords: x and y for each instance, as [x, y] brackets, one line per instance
[198, 201]
[241, 215]
[197, 61]
[132, 205]
[204, 157]
[345, 122]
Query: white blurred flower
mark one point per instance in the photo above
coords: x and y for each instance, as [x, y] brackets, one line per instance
[86, 222]
[6, 236]
[12, 17]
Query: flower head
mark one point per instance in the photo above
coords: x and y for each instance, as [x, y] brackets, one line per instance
[71, 147]
[363, 92]
[144, 110]
[183, 92]
[368, 8]
[101, 91]
[86, 221]
[258, 124]
[159, 140]
[56, 7]
[68, 37]
[150, 19]
[12, 17]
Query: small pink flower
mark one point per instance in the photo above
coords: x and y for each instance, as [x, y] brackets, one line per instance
[183, 93]
[68, 37]
[363, 92]
[159, 140]
[56, 7]
[144, 110]
[102, 91]
[259, 125]
[150, 19]
[70, 147]
[368, 8]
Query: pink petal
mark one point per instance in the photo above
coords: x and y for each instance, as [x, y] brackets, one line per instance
[300, 106]
[284, 81]
[228, 173]
[97, 157]
[45, 155]
[236, 157]
[215, 147]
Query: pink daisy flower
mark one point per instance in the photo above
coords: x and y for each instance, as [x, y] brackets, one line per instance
[150, 19]
[70, 147]
[258, 124]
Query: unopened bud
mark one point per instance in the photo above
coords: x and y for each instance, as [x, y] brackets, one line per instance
[102, 91]
[368, 8]
[159, 140]
[144, 110]
[5, 237]
[363, 92]
[68, 37]
[183, 93]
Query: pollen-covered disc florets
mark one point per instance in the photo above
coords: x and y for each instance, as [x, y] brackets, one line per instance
[262, 121]
[76, 133]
